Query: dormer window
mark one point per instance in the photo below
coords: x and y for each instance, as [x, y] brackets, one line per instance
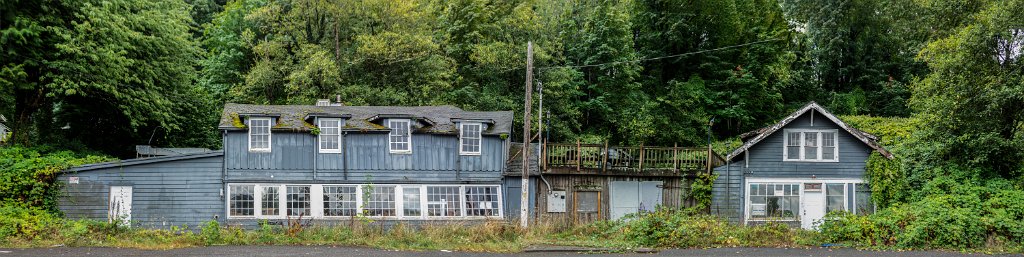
[400, 139]
[330, 135]
[259, 134]
[810, 145]
[469, 138]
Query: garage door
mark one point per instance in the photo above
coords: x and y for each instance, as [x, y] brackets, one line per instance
[633, 196]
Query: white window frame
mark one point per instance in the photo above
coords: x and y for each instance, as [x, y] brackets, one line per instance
[802, 181]
[478, 137]
[317, 203]
[846, 196]
[820, 147]
[799, 195]
[855, 210]
[392, 136]
[337, 135]
[270, 134]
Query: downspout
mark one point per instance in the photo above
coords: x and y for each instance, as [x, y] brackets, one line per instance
[224, 169]
[344, 154]
[316, 153]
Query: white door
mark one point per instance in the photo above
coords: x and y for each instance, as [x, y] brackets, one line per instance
[120, 208]
[812, 205]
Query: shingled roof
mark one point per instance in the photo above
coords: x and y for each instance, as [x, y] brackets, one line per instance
[753, 137]
[298, 118]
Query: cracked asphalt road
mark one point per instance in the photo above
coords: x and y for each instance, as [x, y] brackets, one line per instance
[329, 251]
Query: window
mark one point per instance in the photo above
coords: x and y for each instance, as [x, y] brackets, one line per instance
[810, 145]
[259, 134]
[381, 202]
[400, 139]
[588, 201]
[339, 201]
[330, 135]
[469, 138]
[835, 197]
[481, 201]
[241, 201]
[774, 201]
[862, 197]
[317, 201]
[270, 201]
[411, 201]
[443, 201]
[298, 201]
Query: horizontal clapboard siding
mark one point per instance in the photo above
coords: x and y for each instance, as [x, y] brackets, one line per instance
[765, 161]
[365, 158]
[172, 193]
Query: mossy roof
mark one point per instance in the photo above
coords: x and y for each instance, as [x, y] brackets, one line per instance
[435, 119]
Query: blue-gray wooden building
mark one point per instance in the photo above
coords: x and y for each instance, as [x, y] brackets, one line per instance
[797, 170]
[323, 162]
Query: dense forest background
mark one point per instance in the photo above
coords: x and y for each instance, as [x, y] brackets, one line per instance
[106, 75]
[940, 81]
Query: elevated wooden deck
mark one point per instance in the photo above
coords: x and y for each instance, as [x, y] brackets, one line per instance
[604, 160]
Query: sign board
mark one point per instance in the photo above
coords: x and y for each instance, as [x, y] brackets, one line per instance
[73, 180]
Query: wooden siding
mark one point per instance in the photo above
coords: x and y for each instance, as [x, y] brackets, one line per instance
[172, 193]
[672, 195]
[434, 159]
[765, 161]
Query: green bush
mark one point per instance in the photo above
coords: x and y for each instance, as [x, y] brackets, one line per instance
[211, 233]
[23, 222]
[28, 175]
[955, 214]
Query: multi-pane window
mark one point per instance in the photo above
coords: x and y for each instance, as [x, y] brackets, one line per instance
[811, 145]
[443, 201]
[774, 201]
[270, 201]
[339, 201]
[241, 203]
[381, 201]
[399, 141]
[835, 197]
[259, 134]
[378, 201]
[469, 138]
[297, 202]
[828, 146]
[330, 135]
[411, 201]
[481, 201]
[862, 197]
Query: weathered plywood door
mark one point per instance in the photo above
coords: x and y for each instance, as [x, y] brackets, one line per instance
[632, 196]
[120, 208]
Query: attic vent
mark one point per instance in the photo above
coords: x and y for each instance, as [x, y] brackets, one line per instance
[323, 102]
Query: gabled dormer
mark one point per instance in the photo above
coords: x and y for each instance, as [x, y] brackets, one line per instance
[329, 128]
[259, 127]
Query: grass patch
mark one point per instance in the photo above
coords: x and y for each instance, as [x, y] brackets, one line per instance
[661, 229]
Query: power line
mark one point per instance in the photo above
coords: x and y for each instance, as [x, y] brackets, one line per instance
[652, 58]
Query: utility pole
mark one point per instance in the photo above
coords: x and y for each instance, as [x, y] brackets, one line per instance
[524, 202]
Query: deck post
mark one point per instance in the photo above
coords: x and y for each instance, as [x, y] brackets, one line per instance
[579, 155]
[641, 158]
[675, 158]
[604, 161]
[544, 154]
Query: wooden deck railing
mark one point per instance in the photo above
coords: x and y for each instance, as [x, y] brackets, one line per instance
[628, 160]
